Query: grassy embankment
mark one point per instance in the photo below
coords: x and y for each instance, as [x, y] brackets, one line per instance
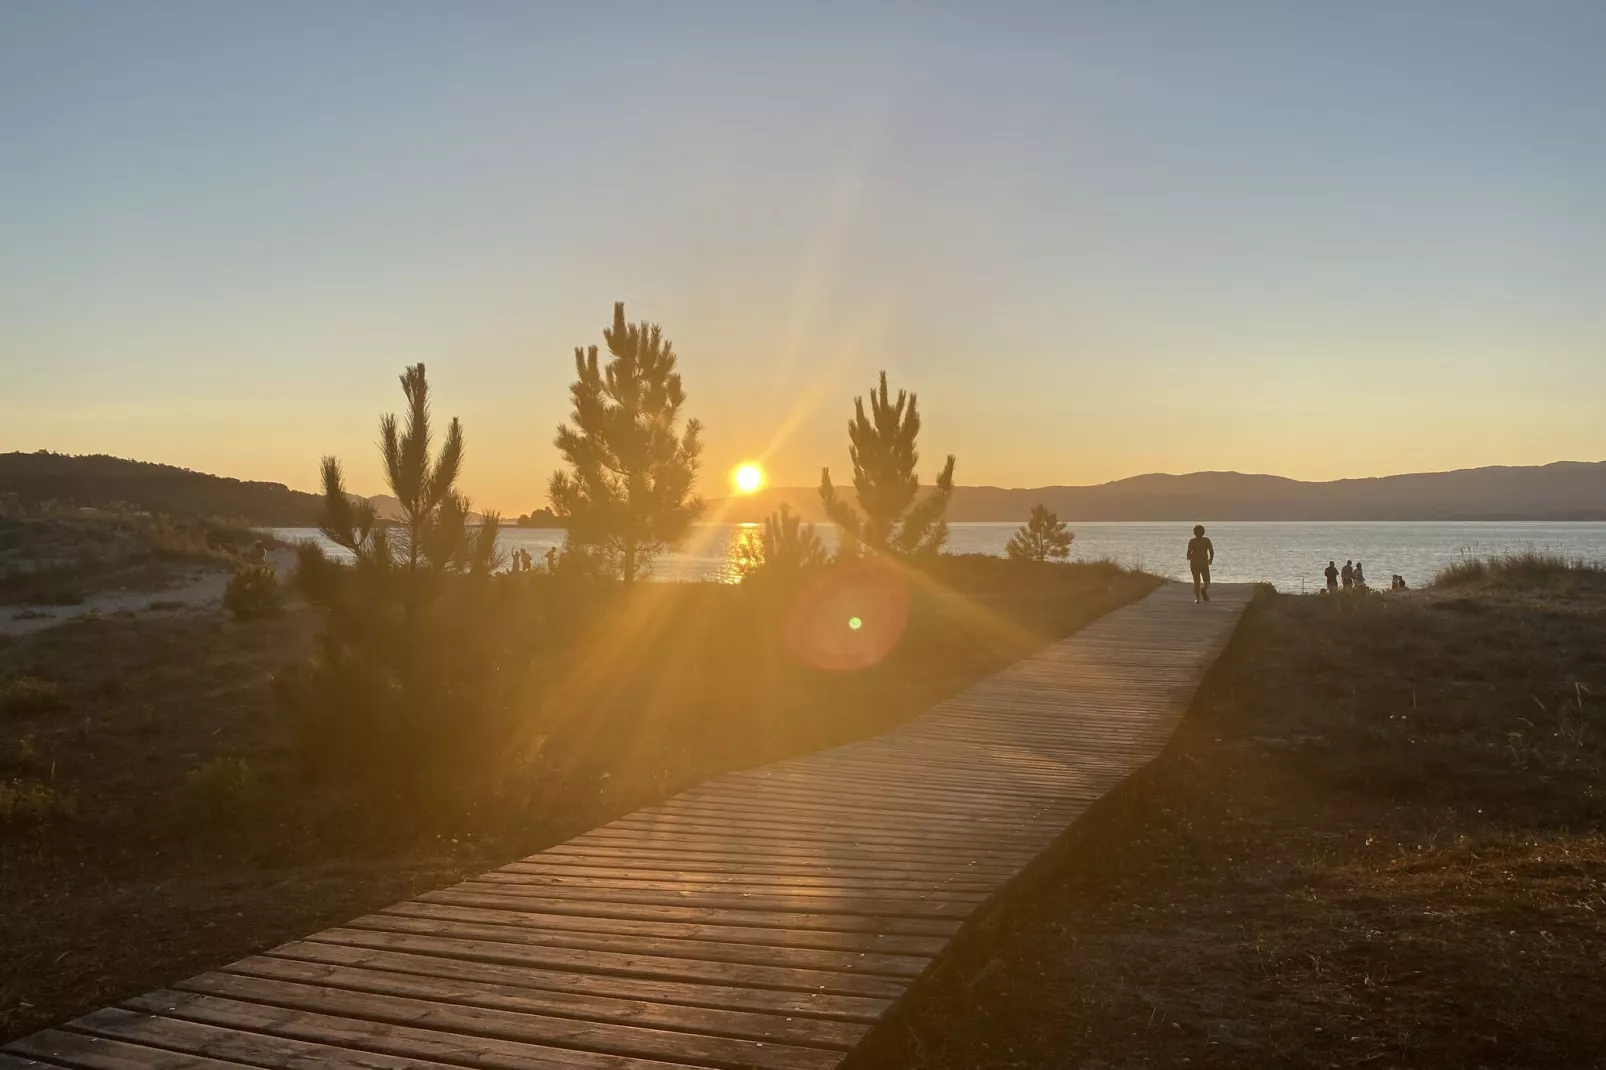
[1376, 840]
[62, 561]
[161, 821]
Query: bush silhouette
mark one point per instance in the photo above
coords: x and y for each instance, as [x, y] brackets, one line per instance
[1042, 538]
[786, 547]
[253, 592]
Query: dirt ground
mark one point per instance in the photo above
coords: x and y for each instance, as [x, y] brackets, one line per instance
[1375, 841]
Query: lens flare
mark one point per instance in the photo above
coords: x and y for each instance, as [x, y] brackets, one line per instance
[869, 595]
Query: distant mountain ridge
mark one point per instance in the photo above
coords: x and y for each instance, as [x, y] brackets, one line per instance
[1565, 490]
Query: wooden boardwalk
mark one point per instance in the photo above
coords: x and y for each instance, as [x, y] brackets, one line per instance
[767, 918]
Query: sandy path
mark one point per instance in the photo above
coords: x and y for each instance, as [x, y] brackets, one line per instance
[200, 589]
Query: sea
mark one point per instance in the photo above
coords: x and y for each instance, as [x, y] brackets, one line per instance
[1290, 555]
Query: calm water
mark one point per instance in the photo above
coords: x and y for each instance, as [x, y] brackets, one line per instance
[1290, 555]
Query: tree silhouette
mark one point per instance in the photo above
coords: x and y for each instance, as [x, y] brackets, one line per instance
[404, 681]
[433, 537]
[1041, 538]
[785, 547]
[882, 448]
[627, 494]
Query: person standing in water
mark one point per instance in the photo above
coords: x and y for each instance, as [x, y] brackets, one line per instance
[1201, 555]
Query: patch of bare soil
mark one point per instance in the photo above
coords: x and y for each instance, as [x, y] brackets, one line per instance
[1375, 841]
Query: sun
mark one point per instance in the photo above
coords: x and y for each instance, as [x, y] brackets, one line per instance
[747, 478]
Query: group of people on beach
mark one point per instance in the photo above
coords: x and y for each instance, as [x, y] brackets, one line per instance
[1352, 577]
[520, 561]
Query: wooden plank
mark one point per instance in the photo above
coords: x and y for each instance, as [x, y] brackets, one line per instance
[747, 1025]
[557, 885]
[947, 830]
[867, 962]
[59, 1047]
[898, 880]
[622, 838]
[508, 897]
[584, 1035]
[231, 1045]
[652, 967]
[382, 1037]
[18, 1062]
[657, 930]
[830, 810]
[886, 794]
[956, 841]
[760, 857]
[735, 864]
[856, 1009]
[947, 907]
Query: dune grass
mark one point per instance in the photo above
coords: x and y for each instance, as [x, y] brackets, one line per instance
[1530, 570]
[61, 561]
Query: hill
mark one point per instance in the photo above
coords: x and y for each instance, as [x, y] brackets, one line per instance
[1566, 490]
[103, 482]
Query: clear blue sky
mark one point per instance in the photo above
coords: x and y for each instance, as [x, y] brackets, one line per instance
[1099, 239]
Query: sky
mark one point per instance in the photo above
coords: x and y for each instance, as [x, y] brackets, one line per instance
[1097, 239]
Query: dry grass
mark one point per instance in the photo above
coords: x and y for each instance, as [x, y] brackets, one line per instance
[1528, 572]
[59, 561]
[1376, 841]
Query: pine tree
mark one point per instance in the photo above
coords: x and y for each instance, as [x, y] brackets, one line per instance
[433, 537]
[405, 679]
[786, 547]
[627, 494]
[882, 448]
[1041, 538]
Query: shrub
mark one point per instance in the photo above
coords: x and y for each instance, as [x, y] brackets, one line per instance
[222, 785]
[26, 696]
[253, 592]
[785, 547]
[1042, 537]
[1528, 569]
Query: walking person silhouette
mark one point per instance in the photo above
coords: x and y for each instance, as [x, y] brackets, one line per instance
[1201, 555]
